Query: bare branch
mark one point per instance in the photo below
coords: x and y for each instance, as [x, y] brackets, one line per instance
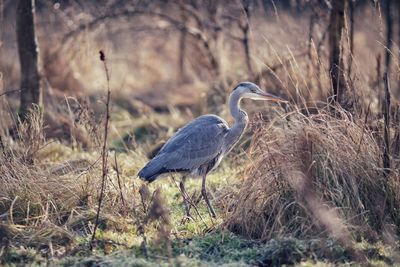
[9, 92]
[104, 152]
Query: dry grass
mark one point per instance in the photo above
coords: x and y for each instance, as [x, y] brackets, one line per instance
[49, 196]
[315, 176]
[44, 193]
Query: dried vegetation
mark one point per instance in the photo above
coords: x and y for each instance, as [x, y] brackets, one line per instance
[316, 176]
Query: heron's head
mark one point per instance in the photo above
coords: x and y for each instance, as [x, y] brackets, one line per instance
[252, 91]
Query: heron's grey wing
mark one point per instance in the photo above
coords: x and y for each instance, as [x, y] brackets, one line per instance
[195, 144]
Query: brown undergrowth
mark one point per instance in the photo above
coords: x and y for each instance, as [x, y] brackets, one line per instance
[46, 200]
[317, 175]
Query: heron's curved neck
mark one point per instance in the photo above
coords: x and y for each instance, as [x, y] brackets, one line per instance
[241, 120]
[234, 106]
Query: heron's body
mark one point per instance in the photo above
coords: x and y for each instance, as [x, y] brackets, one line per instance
[197, 148]
[200, 145]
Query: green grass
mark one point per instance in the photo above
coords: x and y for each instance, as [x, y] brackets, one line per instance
[202, 241]
[219, 248]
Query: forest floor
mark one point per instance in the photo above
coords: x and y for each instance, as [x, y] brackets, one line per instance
[148, 227]
[201, 241]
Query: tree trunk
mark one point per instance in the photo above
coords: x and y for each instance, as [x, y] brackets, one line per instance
[398, 37]
[336, 66]
[181, 59]
[351, 37]
[245, 27]
[182, 46]
[386, 129]
[389, 33]
[313, 19]
[28, 56]
[214, 55]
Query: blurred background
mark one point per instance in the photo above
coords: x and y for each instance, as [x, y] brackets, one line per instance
[172, 53]
[188, 55]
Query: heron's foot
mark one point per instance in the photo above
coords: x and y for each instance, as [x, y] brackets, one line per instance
[187, 207]
[209, 206]
[212, 211]
[187, 218]
[187, 210]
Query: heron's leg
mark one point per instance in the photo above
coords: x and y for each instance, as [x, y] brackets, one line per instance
[185, 196]
[204, 193]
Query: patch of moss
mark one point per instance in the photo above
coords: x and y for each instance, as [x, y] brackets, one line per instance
[20, 257]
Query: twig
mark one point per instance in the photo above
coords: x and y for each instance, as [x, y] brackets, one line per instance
[386, 130]
[89, 167]
[143, 245]
[9, 92]
[197, 33]
[274, 68]
[144, 196]
[2, 147]
[11, 210]
[351, 33]
[104, 151]
[119, 183]
[363, 129]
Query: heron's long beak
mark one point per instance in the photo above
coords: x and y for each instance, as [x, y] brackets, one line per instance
[271, 97]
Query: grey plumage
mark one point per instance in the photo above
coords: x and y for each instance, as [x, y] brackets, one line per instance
[200, 145]
[194, 145]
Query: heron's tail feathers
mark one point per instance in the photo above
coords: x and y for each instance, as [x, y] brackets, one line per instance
[150, 172]
[155, 168]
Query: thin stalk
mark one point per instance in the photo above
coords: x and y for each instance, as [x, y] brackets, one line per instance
[104, 153]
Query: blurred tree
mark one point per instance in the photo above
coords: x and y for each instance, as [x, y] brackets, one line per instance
[214, 31]
[387, 96]
[239, 14]
[28, 56]
[203, 31]
[336, 65]
[182, 44]
[398, 45]
[314, 16]
[351, 34]
[389, 33]
[245, 28]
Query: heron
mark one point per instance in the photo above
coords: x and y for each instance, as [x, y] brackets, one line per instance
[198, 147]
